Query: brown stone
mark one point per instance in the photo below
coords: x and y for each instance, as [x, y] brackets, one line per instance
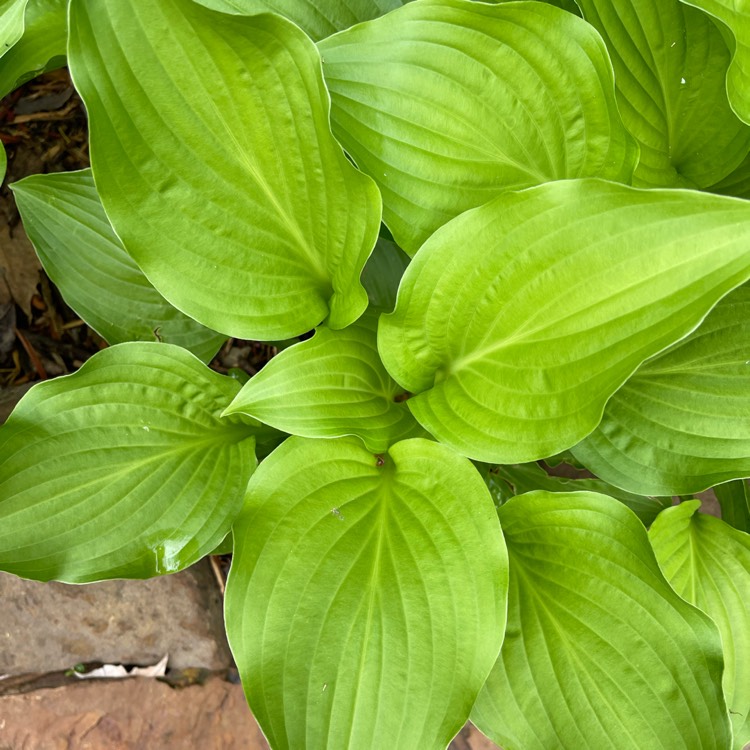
[130, 714]
[45, 627]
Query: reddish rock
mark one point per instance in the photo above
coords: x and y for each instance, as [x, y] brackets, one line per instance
[130, 714]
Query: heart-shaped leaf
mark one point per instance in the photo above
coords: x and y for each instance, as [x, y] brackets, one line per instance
[446, 103]
[123, 470]
[331, 385]
[559, 293]
[707, 562]
[366, 601]
[599, 651]
[736, 17]
[80, 252]
[214, 160]
[670, 62]
[682, 422]
[42, 46]
[317, 19]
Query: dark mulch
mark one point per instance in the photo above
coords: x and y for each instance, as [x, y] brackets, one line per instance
[43, 128]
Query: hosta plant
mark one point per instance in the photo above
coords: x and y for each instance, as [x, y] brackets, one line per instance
[488, 239]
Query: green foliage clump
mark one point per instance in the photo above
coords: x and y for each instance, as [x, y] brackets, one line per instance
[521, 234]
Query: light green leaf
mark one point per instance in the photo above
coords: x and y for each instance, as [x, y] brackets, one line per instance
[318, 20]
[331, 385]
[11, 23]
[707, 562]
[213, 156]
[42, 46]
[530, 477]
[670, 62]
[81, 253]
[736, 16]
[123, 470]
[3, 162]
[734, 499]
[682, 422]
[559, 293]
[599, 651]
[446, 103]
[366, 601]
[383, 272]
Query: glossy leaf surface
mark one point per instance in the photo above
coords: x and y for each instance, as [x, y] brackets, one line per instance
[42, 46]
[514, 345]
[682, 422]
[736, 17]
[331, 385]
[366, 603]
[707, 562]
[670, 61]
[446, 103]
[64, 218]
[214, 160]
[599, 650]
[317, 19]
[122, 470]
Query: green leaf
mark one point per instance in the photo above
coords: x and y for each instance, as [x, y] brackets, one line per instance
[41, 48]
[81, 253]
[568, 5]
[446, 103]
[737, 183]
[670, 62]
[682, 422]
[225, 546]
[500, 489]
[11, 23]
[123, 470]
[559, 293]
[213, 156]
[3, 162]
[734, 499]
[529, 477]
[599, 651]
[707, 563]
[383, 272]
[331, 385]
[736, 17]
[366, 601]
[318, 20]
